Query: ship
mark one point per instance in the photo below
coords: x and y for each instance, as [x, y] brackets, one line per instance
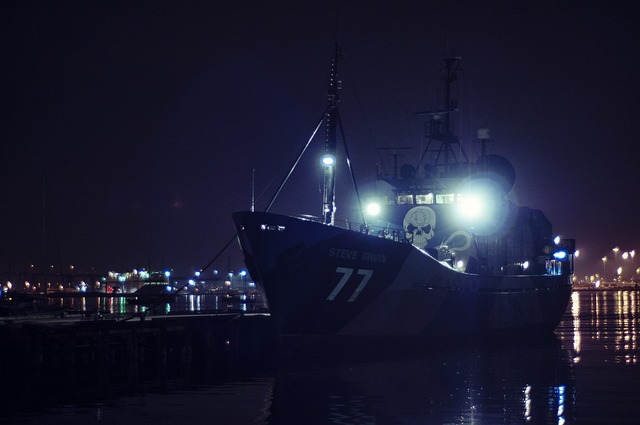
[442, 252]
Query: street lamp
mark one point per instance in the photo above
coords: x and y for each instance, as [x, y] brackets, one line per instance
[615, 256]
[604, 268]
[625, 257]
[243, 273]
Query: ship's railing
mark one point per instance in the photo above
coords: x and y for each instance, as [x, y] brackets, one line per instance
[397, 235]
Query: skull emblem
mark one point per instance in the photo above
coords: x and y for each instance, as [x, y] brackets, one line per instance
[419, 224]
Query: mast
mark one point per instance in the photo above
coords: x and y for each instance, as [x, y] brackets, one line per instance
[440, 126]
[331, 124]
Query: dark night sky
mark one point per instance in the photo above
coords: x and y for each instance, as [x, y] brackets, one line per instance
[146, 117]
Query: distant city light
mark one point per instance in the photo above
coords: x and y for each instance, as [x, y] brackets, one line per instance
[556, 240]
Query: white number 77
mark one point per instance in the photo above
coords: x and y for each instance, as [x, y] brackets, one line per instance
[346, 274]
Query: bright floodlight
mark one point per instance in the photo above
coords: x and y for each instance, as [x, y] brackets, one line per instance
[560, 255]
[556, 240]
[328, 160]
[472, 206]
[373, 208]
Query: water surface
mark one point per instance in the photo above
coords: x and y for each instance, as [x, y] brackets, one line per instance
[587, 374]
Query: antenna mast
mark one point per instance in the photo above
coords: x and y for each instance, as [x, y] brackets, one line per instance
[329, 158]
[440, 126]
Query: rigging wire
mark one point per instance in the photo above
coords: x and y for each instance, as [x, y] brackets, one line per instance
[353, 177]
[274, 196]
[219, 253]
[177, 291]
[284, 181]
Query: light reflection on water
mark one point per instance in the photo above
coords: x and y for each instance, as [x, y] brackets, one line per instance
[192, 303]
[493, 383]
[605, 322]
[601, 328]
[588, 374]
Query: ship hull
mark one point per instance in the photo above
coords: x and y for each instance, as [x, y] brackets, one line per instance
[326, 280]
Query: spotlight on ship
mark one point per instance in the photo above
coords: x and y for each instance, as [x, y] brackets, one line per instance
[472, 207]
[328, 160]
[373, 209]
[480, 205]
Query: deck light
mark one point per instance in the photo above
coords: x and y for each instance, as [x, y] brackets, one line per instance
[472, 206]
[479, 205]
[328, 160]
[560, 255]
[373, 209]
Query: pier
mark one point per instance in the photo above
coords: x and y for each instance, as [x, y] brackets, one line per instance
[160, 342]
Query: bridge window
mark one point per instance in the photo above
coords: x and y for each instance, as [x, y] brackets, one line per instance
[424, 199]
[405, 199]
[445, 198]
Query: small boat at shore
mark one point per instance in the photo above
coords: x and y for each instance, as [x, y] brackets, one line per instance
[153, 293]
[447, 255]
